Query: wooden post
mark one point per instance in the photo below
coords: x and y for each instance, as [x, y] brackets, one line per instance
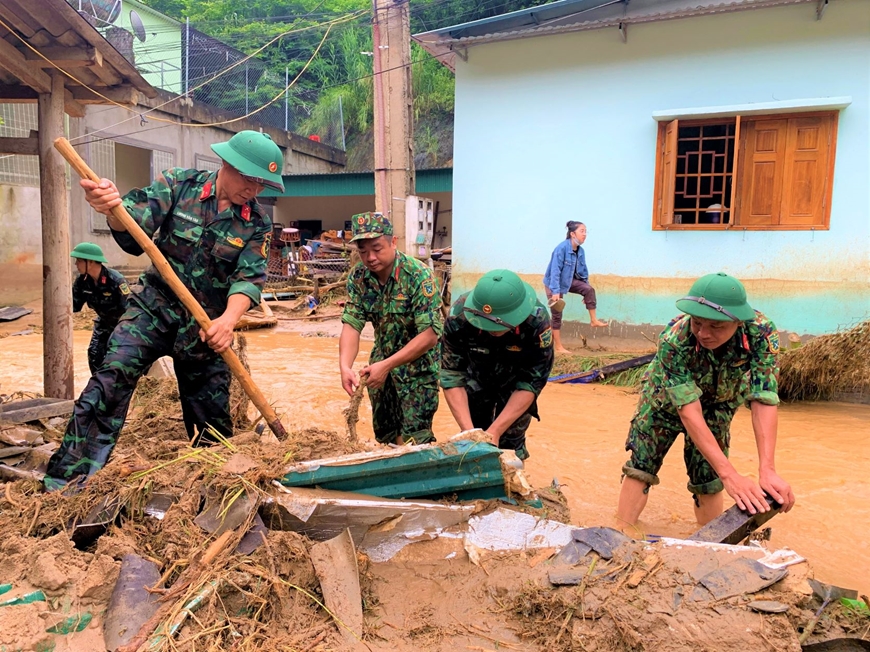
[57, 357]
[393, 111]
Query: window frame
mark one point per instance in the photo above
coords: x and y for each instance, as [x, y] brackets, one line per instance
[737, 186]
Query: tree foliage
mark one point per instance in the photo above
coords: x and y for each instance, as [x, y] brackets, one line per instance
[343, 67]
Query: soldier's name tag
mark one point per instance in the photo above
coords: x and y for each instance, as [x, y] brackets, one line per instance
[187, 217]
[477, 349]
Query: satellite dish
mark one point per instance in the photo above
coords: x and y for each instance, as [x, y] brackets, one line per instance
[138, 26]
[105, 11]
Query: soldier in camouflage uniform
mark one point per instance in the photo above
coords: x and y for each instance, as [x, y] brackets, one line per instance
[496, 356]
[215, 236]
[718, 355]
[398, 295]
[104, 290]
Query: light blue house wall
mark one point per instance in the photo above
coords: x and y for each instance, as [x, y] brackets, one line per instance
[560, 127]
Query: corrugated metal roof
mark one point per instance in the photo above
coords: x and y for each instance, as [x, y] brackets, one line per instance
[356, 183]
[573, 16]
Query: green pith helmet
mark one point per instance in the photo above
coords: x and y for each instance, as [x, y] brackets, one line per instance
[254, 155]
[366, 226]
[88, 251]
[717, 296]
[501, 300]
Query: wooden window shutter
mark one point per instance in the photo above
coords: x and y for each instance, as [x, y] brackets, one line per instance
[669, 173]
[761, 171]
[805, 177]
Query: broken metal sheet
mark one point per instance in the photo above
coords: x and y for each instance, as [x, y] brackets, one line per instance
[466, 469]
[220, 516]
[603, 540]
[734, 524]
[253, 538]
[771, 558]
[131, 606]
[158, 504]
[11, 313]
[572, 553]
[741, 576]
[336, 567]
[380, 527]
[97, 521]
[505, 529]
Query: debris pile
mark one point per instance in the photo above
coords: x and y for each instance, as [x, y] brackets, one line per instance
[827, 367]
[177, 548]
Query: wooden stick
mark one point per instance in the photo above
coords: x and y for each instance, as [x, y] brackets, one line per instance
[162, 265]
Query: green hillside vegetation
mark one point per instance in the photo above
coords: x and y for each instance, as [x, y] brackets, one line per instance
[343, 66]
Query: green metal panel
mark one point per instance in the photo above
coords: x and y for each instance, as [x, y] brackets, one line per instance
[355, 183]
[468, 469]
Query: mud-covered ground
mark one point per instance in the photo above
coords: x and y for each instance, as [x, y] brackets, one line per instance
[428, 598]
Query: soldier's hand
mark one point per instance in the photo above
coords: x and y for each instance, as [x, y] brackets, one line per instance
[777, 488]
[220, 335]
[377, 374]
[349, 380]
[748, 495]
[494, 437]
[102, 196]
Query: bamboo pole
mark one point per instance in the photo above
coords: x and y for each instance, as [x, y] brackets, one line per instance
[162, 265]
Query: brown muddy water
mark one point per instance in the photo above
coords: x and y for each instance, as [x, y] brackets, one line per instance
[823, 448]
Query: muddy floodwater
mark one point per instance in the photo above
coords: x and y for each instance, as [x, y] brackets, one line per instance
[823, 448]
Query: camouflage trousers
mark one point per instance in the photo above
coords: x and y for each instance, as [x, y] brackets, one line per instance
[485, 406]
[99, 343]
[404, 410]
[654, 431]
[141, 337]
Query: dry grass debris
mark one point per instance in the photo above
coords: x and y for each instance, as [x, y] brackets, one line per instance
[827, 366]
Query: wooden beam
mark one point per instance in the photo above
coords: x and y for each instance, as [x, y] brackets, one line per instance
[57, 360]
[27, 73]
[120, 94]
[28, 146]
[71, 107]
[65, 57]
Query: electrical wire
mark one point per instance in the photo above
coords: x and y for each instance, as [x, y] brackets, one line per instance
[139, 114]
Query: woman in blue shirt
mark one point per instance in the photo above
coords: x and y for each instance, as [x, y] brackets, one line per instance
[566, 273]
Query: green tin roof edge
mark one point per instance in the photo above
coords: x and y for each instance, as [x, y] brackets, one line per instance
[356, 183]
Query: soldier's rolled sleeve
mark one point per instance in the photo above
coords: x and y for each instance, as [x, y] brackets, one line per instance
[427, 309]
[679, 386]
[764, 370]
[353, 315]
[148, 207]
[454, 356]
[250, 275]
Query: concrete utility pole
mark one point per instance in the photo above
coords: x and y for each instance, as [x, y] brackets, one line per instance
[56, 275]
[393, 115]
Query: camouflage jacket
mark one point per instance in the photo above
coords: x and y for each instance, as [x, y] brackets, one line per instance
[214, 254]
[107, 296]
[683, 371]
[521, 359]
[405, 306]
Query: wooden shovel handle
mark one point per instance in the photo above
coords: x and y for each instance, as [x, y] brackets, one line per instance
[162, 265]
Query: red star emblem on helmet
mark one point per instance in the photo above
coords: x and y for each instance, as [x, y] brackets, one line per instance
[273, 167]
